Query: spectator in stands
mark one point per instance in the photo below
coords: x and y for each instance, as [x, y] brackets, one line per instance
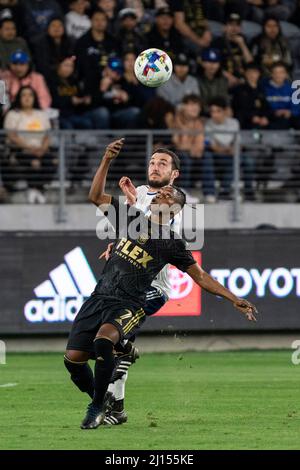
[163, 35]
[29, 159]
[180, 84]
[139, 93]
[144, 8]
[74, 105]
[128, 36]
[20, 74]
[9, 41]
[158, 114]
[51, 48]
[11, 9]
[36, 15]
[249, 103]
[219, 156]
[270, 46]
[191, 23]
[212, 81]
[188, 146]
[234, 50]
[110, 8]
[280, 9]
[278, 92]
[258, 10]
[77, 21]
[121, 113]
[92, 52]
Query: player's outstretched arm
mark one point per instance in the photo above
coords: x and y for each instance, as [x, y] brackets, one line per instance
[208, 283]
[97, 195]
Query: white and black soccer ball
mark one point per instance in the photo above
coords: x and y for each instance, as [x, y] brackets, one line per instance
[153, 67]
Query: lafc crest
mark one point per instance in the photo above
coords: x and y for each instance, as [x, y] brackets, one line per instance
[143, 238]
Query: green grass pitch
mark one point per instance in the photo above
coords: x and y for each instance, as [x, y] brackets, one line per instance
[228, 400]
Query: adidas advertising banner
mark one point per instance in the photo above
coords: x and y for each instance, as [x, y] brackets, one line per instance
[45, 277]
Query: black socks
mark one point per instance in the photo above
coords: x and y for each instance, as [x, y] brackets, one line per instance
[81, 375]
[104, 366]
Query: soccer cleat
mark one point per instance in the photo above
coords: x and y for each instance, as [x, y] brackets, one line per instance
[108, 402]
[93, 418]
[115, 417]
[123, 362]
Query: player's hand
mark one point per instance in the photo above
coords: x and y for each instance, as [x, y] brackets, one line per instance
[128, 189]
[113, 149]
[247, 308]
[106, 254]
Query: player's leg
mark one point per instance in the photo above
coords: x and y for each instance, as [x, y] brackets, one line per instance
[127, 354]
[107, 336]
[80, 347]
[76, 362]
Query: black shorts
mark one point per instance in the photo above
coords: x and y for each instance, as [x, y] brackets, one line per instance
[96, 311]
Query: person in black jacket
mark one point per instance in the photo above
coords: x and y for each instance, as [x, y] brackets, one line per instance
[164, 36]
[92, 52]
[249, 102]
[128, 36]
[51, 48]
[70, 98]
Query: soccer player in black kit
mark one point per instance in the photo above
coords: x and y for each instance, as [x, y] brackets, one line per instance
[115, 308]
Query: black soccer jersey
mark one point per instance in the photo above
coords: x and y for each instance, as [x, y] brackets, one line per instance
[139, 255]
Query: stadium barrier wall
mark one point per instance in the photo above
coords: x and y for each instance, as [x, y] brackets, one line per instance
[46, 276]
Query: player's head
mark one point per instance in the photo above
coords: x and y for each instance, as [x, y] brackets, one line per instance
[163, 169]
[168, 201]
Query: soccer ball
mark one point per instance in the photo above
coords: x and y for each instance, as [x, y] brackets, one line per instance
[153, 67]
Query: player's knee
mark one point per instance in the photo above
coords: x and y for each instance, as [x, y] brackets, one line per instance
[110, 332]
[72, 356]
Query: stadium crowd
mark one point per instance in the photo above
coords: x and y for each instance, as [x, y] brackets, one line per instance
[234, 62]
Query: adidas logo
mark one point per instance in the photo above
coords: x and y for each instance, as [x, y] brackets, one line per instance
[60, 298]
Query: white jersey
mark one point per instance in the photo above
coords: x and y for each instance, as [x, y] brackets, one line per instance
[144, 198]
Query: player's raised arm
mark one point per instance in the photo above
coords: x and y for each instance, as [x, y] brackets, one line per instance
[208, 283]
[97, 195]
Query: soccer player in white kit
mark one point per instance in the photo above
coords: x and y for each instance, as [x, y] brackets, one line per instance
[163, 169]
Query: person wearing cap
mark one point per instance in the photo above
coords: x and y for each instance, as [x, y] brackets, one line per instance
[234, 50]
[164, 35]
[180, 84]
[77, 21]
[20, 74]
[9, 41]
[211, 79]
[249, 102]
[128, 37]
[116, 103]
[190, 21]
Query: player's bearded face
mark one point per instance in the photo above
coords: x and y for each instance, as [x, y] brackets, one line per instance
[159, 172]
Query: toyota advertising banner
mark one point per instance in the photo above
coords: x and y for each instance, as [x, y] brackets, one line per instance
[45, 277]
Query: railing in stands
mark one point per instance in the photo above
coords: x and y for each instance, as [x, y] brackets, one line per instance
[264, 166]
